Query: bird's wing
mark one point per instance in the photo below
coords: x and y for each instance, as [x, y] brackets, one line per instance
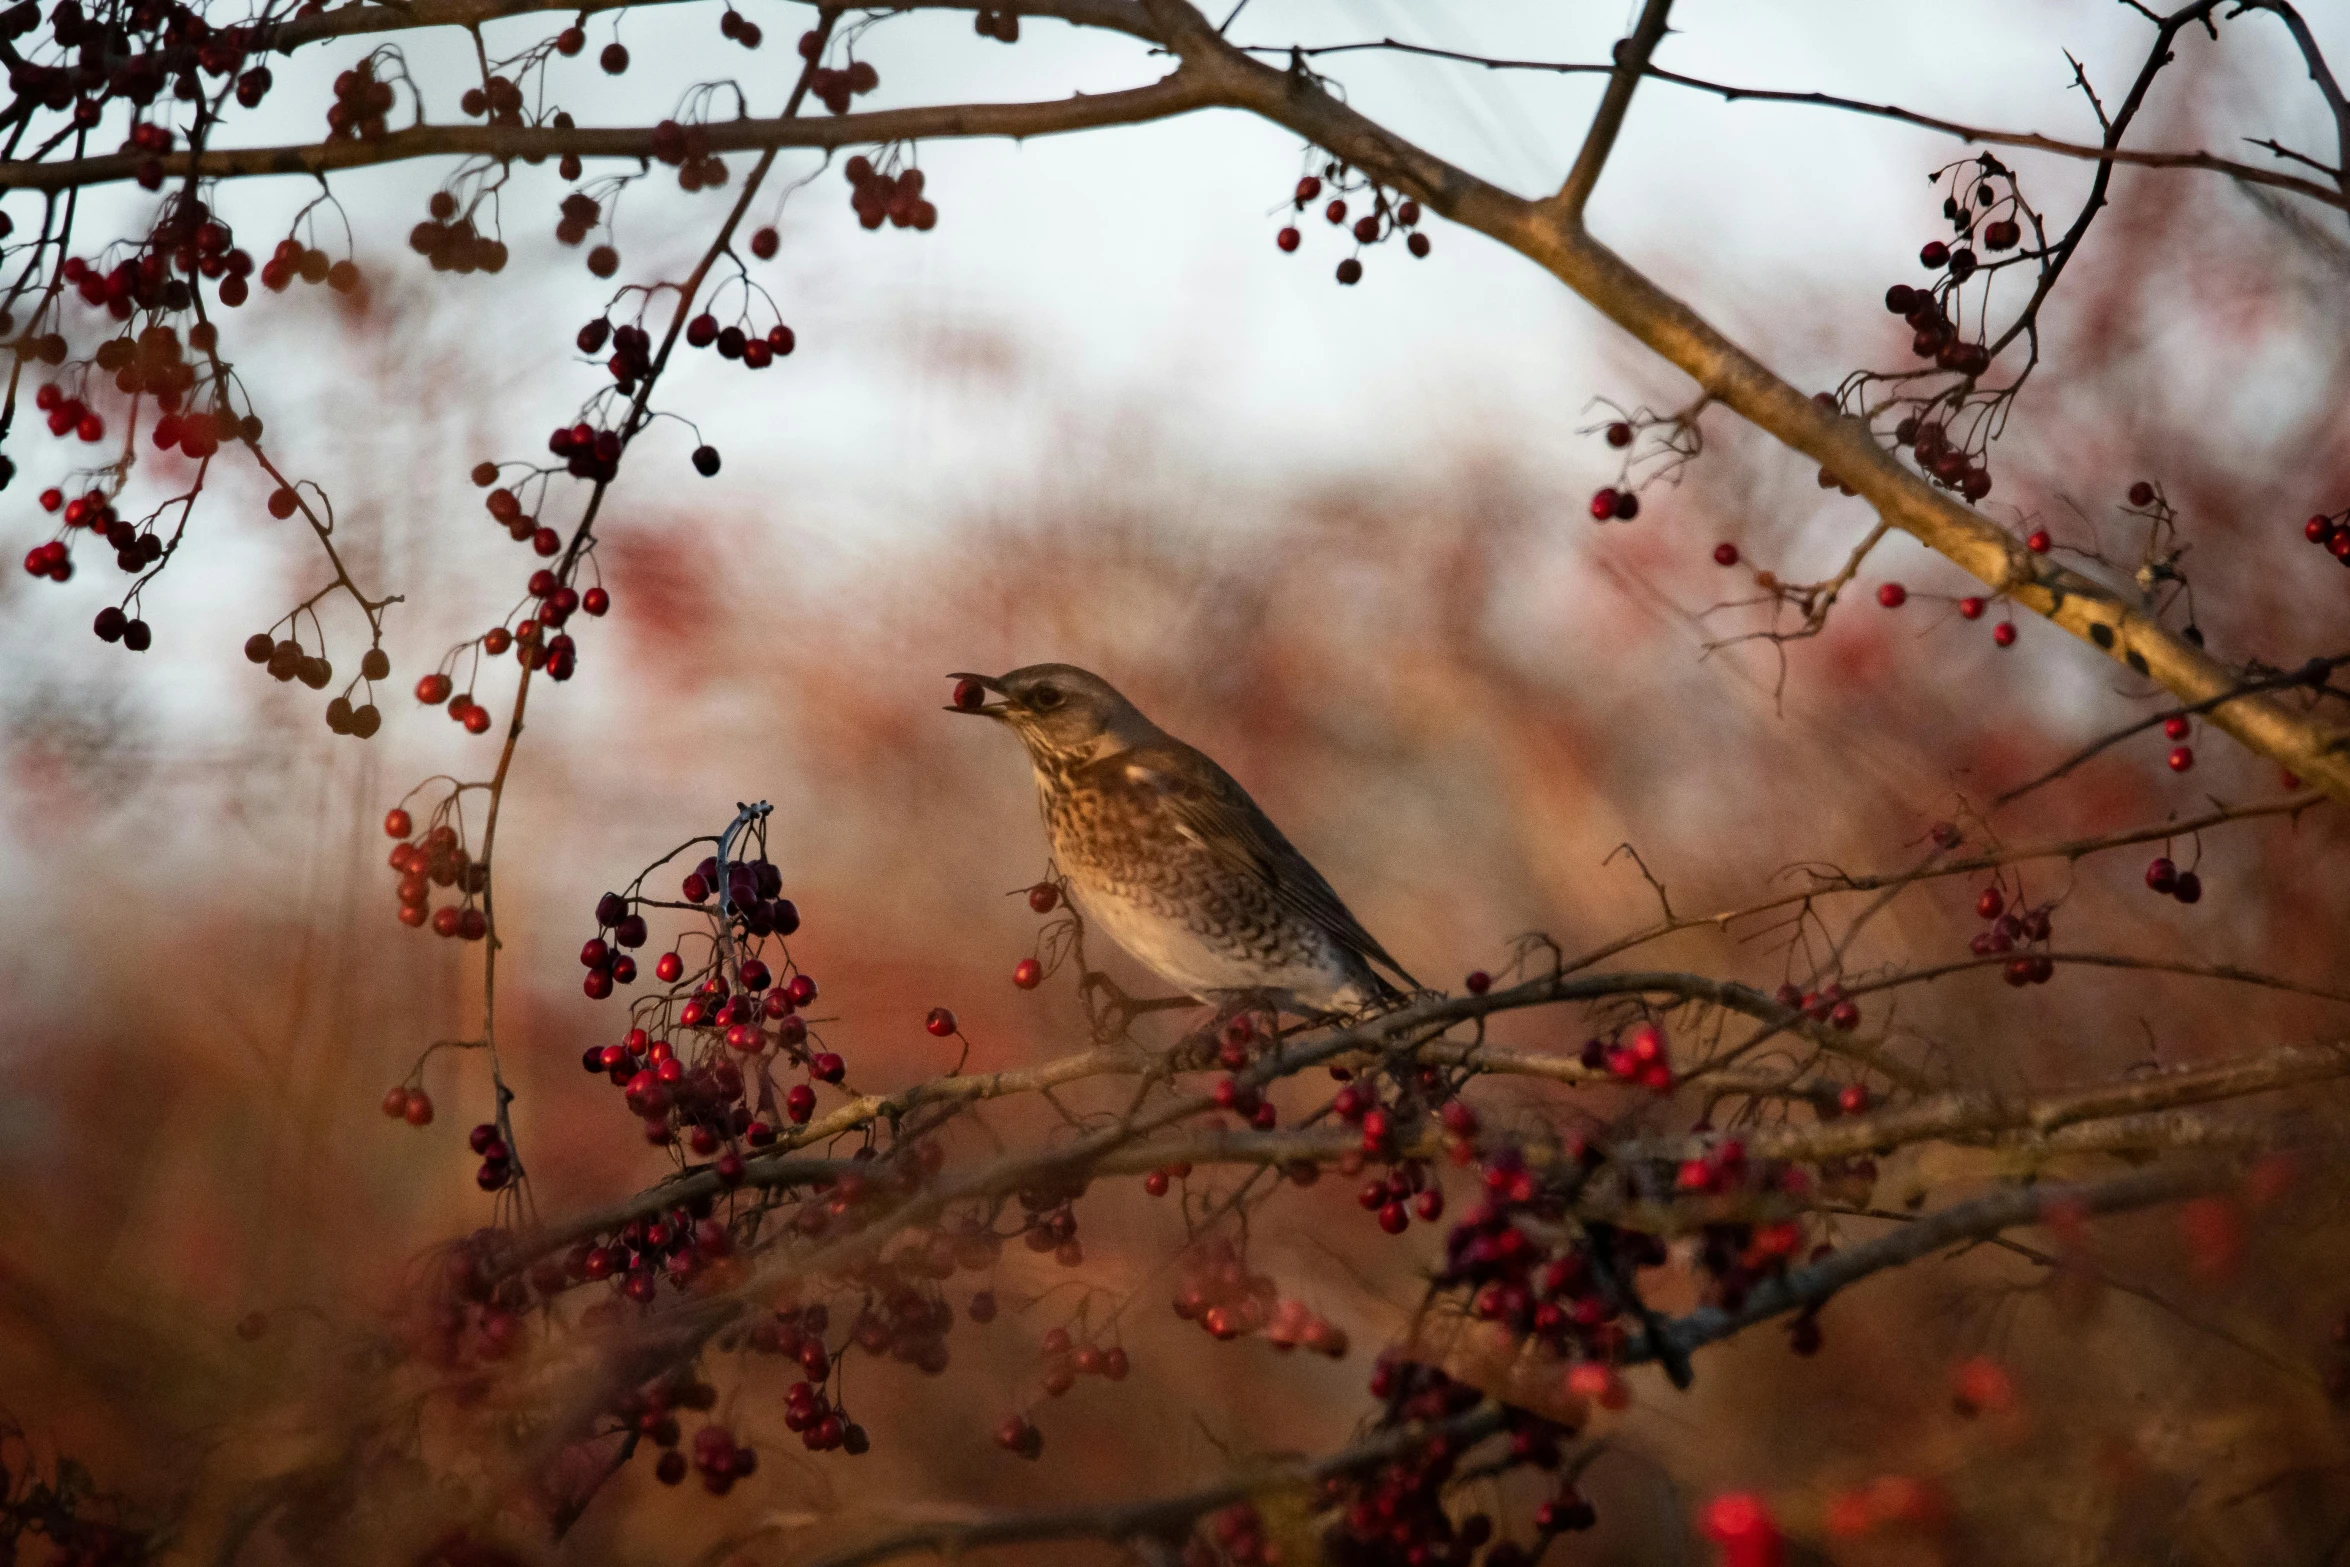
[1212, 810]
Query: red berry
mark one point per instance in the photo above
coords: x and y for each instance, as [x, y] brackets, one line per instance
[2189, 888]
[1725, 554]
[1892, 595]
[1288, 239]
[1603, 504]
[2038, 542]
[614, 59]
[2004, 633]
[1393, 1219]
[2141, 494]
[941, 1022]
[395, 1103]
[1044, 897]
[2175, 727]
[1852, 1098]
[2182, 757]
[1989, 904]
[1028, 974]
[396, 823]
[1478, 982]
[764, 244]
[1619, 434]
[433, 690]
[2161, 874]
[418, 1110]
[1971, 608]
[970, 695]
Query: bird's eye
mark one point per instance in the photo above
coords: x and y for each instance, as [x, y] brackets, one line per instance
[1045, 696]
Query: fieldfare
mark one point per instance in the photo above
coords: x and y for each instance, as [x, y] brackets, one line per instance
[1172, 858]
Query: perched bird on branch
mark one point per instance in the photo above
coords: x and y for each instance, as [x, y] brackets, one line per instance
[1172, 859]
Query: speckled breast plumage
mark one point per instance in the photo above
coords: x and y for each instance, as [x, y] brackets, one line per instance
[1143, 873]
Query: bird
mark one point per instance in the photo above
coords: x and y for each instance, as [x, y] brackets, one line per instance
[1169, 856]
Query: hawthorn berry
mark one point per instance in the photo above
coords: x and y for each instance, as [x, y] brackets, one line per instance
[1603, 504]
[1619, 434]
[1028, 973]
[614, 59]
[2161, 875]
[1350, 271]
[1478, 982]
[706, 461]
[418, 1109]
[2038, 542]
[1288, 239]
[940, 1022]
[2141, 494]
[2181, 758]
[1892, 595]
[2189, 887]
[395, 1103]
[1971, 608]
[1725, 554]
[765, 243]
[2004, 633]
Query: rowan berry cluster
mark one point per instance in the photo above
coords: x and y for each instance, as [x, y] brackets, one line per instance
[835, 86]
[1639, 1056]
[2008, 928]
[1373, 219]
[1394, 1515]
[733, 24]
[2164, 876]
[686, 148]
[361, 102]
[69, 415]
[292, 259]
[2330, 533]
[451, 243]
[436, 858]
[631, 361]
[498, 98]
[707, 1048]
[732, 342]
[879, 196]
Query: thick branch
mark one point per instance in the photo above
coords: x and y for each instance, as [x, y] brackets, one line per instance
[2103, 616]
[1178, 93]
[1975, 1220]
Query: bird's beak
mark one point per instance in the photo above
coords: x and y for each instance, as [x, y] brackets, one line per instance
[964, 684]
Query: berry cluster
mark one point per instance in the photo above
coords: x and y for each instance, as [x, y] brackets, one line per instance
[733, 24]
[1384, 217]
[1611, 504]
[452, 244]
[361, 102]
[878, 196]
[286, 659]
[135, 546]
[1949, 464]
[1065, 1360]
[2007, 929]
[497, 1158]
[1221, 1294]
[1002, 26]
[686, 148]
[732, 342]
[436, 859]
[1394, 1515]
[631, 361]
[498, 98]
[835, 87]
[2331, 534]
[292, 259]
[1640, 1056]
[2165, 877]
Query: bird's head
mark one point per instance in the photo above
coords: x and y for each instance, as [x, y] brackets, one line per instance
[1062, 713]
